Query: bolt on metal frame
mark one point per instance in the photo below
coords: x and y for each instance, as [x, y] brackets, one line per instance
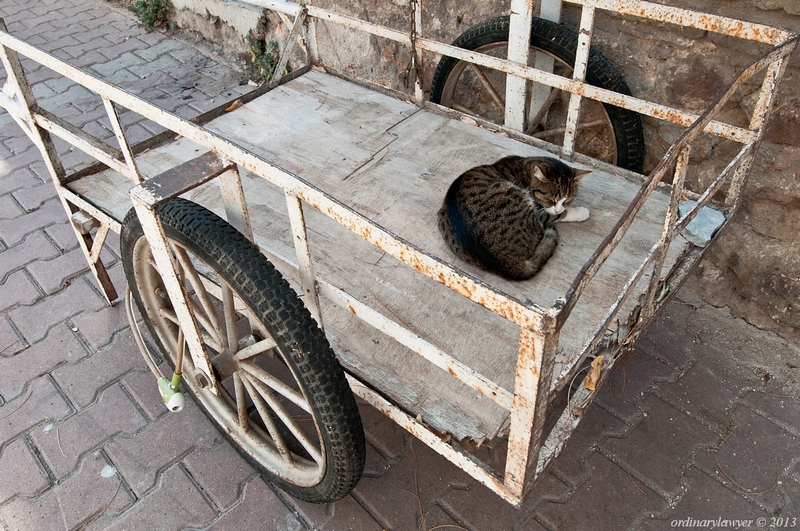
[528, 454]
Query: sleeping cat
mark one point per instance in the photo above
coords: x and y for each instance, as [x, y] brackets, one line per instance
[499, 216]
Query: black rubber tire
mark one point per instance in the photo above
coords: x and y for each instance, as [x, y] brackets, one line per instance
[302, 346]
[557, 40]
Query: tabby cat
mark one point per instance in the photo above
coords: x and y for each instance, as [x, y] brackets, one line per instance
[500, 216]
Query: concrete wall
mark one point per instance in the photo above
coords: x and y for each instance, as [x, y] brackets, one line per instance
[755, 266]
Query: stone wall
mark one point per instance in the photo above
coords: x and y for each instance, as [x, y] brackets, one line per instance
[755, 266]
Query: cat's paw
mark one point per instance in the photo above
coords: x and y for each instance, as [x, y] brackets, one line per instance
[576, 214]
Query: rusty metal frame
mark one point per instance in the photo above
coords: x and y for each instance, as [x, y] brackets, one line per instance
[534, 384]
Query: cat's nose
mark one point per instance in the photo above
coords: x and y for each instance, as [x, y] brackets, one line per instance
[558, 209]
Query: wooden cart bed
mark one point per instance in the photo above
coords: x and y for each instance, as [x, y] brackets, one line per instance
[392, 162]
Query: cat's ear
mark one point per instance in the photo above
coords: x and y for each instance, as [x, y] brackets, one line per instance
[539, 175]
[579, 174]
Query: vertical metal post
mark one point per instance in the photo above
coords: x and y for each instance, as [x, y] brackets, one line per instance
[535, 362]
[519, 38]
[311, 36]
[230, 185]
[18, 82]
[419, 93]
[309, 284]
[579, 74]
[540, 94]
[167, 269]
[668, 233]
[124, 146]
[769, 88]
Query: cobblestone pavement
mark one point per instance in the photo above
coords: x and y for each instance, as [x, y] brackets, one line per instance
[701, 423]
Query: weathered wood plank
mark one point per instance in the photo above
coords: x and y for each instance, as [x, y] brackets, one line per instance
[393, 163]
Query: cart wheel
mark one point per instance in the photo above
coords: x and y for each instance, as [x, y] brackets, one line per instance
[605, 132]
[284, 401]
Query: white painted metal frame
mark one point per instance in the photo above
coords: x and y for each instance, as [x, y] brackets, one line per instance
[528, 455]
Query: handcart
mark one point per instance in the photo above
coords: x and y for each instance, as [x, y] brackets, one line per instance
[282, 254]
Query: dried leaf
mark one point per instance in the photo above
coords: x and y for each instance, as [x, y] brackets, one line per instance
[233, 106]
[591, 381]
[468, 120]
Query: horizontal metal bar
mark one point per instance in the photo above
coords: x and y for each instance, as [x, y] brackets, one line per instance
[528, 315]
[463, 460]
[279, 6]
[425, 349]
[640, 106]
[82, 140]
[181, 178]
[91, 209]
[691, 19]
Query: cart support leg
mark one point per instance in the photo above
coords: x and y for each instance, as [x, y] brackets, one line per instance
[22, 93]
[147, 197]
[531, 388]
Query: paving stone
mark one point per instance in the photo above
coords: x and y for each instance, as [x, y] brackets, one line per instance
[124, 61]
[154, 52]
[81, 48]
[316, 514]
[610, 499]
[660, 445]
[630, 380]
[421, 467]
[175, 504]
[594, 428]
[63, 444]
[751, 457]
[22, 474]
[9, 209]
[35, 246]
[791, 503]
[59, 347]
[17, 171]
[33, 198]
[53, 275]
[779, 406]
[479, 508]
[348, 515]
[260, 509]
[34, 321]
[13, 231]
[386, 436]
[119, 48]
[710, 388]
[221, 473]
[99, 326]
[63, 235]
[75, 92]
[82, 380]
[141, 458]
[141, 385]
[17, 289]
[10, 343]
[706, 499]
[40, 405]
[667, 339]
[89, 493]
